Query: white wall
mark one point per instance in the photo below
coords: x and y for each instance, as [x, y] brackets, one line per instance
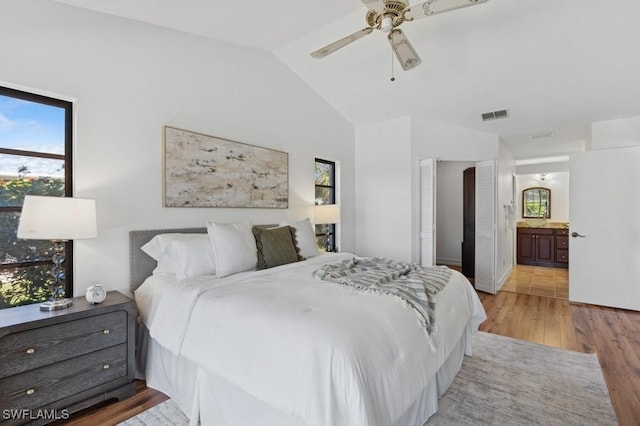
[558, 183]
[449, 211]
[383, 190]
[615, 133]
[445, 142]
[451, 143]
[387, 178]
[128, 79]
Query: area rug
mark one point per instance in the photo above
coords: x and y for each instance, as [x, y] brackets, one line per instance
[166, 413]
[506, 382]
[513, 382]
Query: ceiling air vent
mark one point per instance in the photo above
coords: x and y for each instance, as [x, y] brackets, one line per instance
[494, 115]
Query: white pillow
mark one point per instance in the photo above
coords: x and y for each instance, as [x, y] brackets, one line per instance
[306, 236]
[185, 255]
[234, 247]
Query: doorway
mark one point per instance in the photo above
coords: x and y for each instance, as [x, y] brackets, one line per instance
[450, 216]
[543, 278]
[469, 222]
[441, 211]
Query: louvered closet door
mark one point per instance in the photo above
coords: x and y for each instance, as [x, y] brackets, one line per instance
[485, 263]
[427, 211]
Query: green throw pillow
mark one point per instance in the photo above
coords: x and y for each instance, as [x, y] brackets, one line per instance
[276, 246]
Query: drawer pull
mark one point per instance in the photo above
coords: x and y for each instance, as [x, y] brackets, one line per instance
[30, 351]
[31, 391]
[105, 331]
[105, 366]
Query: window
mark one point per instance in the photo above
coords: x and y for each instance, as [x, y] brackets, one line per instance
[35, 159]
[326, 194]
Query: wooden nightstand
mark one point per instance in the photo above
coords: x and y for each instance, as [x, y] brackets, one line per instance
[55, 363]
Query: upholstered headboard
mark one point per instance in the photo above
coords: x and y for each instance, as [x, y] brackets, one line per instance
[141, 265]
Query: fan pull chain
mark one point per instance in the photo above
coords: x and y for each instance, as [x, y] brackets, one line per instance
[392, 77]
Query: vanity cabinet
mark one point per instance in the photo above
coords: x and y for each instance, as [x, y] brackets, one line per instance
[562, 247]
[543, 247]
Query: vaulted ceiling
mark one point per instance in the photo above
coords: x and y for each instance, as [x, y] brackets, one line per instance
[555, 65]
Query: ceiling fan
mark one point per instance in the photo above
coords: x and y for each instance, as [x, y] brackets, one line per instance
[387, 16]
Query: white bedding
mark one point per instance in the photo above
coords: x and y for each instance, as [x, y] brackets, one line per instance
[308, 348]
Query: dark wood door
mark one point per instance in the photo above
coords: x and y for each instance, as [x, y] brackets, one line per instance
[545, 249]
[469, 221]
[526, 248]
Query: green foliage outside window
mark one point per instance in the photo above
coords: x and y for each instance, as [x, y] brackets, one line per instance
[35, 159]
[29, 283]
[325, 194]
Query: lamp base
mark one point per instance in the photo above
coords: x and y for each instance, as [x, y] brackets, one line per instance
[53, 305]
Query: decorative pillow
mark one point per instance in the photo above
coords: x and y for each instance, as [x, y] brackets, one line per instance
[233, 246]
[185, 255]
[276, 246]
[305, 237]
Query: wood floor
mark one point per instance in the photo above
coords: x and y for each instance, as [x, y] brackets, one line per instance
[613, 334]
[112, 413]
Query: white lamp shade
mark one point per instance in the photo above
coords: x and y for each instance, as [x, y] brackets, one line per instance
[326, 213]
[57, 218]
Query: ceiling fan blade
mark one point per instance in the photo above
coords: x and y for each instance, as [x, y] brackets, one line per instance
[377, 5]
[431, 7]
[330, 48]
[404, 51]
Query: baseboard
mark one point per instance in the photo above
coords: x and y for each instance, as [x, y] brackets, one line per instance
[445, 261]
[503, 278]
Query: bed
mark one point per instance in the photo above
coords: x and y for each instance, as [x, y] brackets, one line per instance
[280, 347]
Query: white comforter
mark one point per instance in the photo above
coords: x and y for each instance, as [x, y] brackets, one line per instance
[325, 354]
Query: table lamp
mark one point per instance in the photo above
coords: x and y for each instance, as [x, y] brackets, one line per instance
[326, 214]
[59, 219]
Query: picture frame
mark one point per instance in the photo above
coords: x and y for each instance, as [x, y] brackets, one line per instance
[207, 171]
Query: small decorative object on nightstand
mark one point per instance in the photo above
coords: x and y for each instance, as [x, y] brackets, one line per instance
[96, 294]
[55, 363]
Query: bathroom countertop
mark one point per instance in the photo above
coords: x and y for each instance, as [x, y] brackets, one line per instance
[539, 223]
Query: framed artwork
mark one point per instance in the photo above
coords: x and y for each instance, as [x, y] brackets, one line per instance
[207, 171]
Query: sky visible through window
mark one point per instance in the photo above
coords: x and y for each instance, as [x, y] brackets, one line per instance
[31, 126]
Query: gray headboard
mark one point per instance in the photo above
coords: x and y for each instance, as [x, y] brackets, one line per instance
[141, 265]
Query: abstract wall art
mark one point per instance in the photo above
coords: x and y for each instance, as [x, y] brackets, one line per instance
[207, 171]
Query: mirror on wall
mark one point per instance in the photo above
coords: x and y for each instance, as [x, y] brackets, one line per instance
[536, 203]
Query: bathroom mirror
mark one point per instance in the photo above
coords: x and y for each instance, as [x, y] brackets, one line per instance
[536, 203]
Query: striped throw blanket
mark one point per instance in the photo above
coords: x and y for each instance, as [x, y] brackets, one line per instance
[414, 285]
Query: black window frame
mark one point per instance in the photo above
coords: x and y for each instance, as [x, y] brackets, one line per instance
[327, 231]
[67, 158]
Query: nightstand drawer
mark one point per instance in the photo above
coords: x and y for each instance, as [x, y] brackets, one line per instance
[45, 385]
[39, 347]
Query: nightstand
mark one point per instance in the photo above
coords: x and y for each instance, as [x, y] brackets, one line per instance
[55, 363]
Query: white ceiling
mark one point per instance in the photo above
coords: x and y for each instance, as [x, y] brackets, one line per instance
[556, 65]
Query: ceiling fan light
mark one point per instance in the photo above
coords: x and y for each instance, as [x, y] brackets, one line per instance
[386, 24]
[404, 51]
